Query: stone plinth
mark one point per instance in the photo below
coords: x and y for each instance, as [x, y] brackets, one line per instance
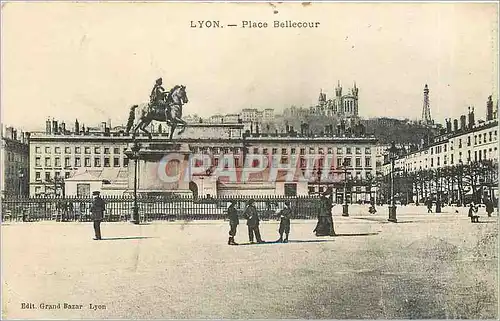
[161, 168]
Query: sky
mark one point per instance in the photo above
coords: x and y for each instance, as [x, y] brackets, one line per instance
[92, 61]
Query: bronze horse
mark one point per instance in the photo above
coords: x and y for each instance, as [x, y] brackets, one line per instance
[172, 106]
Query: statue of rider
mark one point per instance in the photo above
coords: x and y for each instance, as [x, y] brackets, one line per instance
[158, 98]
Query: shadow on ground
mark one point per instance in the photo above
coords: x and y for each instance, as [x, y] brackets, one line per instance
[126, 238]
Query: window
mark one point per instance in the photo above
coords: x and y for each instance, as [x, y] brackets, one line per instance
[475, 155]
[339, 150]
[368, 162]
[47, 150]
[38, 190]
[490, 136]
[451, 159]
[87, 161]
[468, 156]
[125, 161]
[311, 150]
[37, 176]
[38, 150]
[57, 174]
[368, 150]
[87, 150]
[106, 162]
[66, 175]
[432, 150]
[329, 150]
[57, 150]
[67, 162]
[358, 150]
[484, 137]
[460, 143]
[292, 151]
[97, 162]
[97, 150]
[106, 150]
[47, 162]
[432, 162]
[255, 150]
[358, 162]
[264, 151]
[468, 140]
[283, 151]
[236, 162]
[116, 150]
[57, 162]
[445, 148]
[348, 150]
[67, 150]
[302, 151]
[116, 162]
[38, 162]
[275, 151]
[47, 176]
[78, 150]
[348, 161]
[78, 162]
[320, 151]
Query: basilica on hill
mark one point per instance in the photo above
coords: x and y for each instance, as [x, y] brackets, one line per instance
[343, 105]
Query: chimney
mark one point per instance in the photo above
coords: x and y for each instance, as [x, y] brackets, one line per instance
[257, 128]
[471, 117]
[448, 125]
[103, 126]
[55, 129]
[63, 126]
[83, 129]
[463, 122]
[109, 123]
[77, 127]
[489, 109]
[48, 126]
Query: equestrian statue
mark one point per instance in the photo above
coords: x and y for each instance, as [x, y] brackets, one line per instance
[164, 106]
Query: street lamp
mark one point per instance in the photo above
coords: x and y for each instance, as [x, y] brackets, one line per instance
[392, 208]
[319, 179]
[345, 207]
[21, 176]
[135, 156]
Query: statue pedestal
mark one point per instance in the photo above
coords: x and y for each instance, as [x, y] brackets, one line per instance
[161, 168]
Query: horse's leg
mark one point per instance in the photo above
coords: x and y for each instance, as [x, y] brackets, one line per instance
[183, 123]
[144, 125]
[172, 129]
[136, 127]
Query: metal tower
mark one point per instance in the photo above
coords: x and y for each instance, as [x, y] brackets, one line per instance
[426, 109]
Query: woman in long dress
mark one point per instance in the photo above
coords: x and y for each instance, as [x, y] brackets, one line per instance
[324, 227]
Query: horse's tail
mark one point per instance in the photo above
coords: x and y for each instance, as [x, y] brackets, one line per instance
[131, 118]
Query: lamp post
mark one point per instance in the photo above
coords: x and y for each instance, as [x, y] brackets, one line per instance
[392, 208]
[21, 176]
[319, 180]
[345, 207]
[135, 156]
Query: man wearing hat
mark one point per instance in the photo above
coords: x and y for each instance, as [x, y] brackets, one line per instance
[285, 216]
[252, 222]
[232, 214]
[97, 209]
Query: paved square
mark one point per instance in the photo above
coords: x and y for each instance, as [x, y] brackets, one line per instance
[426, 266]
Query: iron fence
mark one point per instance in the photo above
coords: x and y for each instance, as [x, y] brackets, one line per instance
[171, 208]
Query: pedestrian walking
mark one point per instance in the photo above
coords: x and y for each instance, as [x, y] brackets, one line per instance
[97, 209]
[474, 218]
[252, 222]
[232, 214]
[285, 216]
[489, 207]
[324, 227]
[372, 209]
[429, 205]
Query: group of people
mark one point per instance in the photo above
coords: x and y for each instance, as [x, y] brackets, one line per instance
[324, 227]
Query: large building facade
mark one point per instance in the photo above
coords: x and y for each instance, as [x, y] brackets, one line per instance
[14, 162]
[342, 105]
[77, 162]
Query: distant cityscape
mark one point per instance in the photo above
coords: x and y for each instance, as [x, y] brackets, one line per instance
[73, 160]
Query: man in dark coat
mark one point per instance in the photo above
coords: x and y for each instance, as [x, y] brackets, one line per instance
[252, 222]
[285, 216]
[97, 210]
[232, 214]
